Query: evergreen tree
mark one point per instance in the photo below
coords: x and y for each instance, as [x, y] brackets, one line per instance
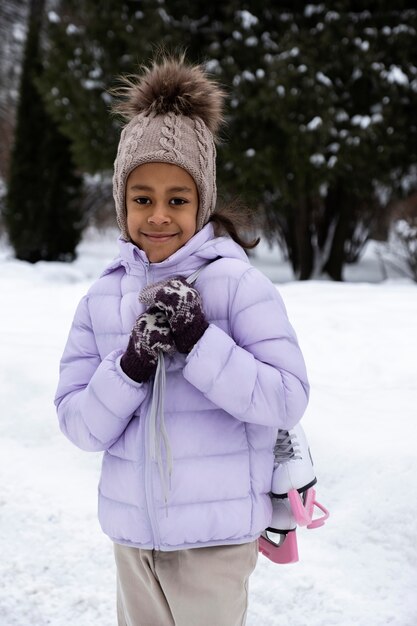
[324, 115]
[86, 54]
[322, 108]
[42, 214]
[13, 18]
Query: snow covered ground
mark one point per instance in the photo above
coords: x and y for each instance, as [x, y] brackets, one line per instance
[360, 345]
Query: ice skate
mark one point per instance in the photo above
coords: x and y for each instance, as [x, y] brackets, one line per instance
[278, 542]
[294, 476]
[293, 466]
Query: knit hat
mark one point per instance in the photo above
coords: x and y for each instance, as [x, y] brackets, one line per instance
[174, 111]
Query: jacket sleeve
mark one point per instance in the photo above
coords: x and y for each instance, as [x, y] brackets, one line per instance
[258, 373]
[95, 399]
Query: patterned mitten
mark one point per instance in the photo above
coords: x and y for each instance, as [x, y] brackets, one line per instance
[181, 304]
[150, 334]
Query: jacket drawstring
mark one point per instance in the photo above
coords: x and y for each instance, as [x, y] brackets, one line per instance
[157, 431]
[158, 435]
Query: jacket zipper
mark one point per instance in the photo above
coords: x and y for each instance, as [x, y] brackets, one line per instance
[146, 273]
[148, 468]
[148, 490]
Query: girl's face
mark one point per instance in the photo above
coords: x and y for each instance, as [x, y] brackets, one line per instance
[162, 205]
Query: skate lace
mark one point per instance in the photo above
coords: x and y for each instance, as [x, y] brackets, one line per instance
[286, 447]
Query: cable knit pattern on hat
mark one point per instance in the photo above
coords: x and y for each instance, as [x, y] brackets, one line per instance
[174, 111]
[128, 146]
[171, 135]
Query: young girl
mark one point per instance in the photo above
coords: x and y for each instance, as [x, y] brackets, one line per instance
[184, 488]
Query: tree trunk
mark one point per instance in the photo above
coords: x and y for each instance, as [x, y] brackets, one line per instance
[36, 11]
[336, 259]
[302, 239]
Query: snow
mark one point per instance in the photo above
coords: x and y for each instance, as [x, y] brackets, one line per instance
[72, 29]
[311, 9]
[314, 123]
[90, 84]
[249, 76]
[409, 179]
[406, 229]
[341, 116]
[212, 65]
[361, 120]
[317, 159]
[331, 16]
[363, 45]
[395, 75]
[360, 344]
[322, 78]
[19, 33]
[247, 19]
[53, 17]
[288, 54]
[404, 29]
[251, 41]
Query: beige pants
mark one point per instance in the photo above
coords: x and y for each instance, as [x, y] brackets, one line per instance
[195, 587]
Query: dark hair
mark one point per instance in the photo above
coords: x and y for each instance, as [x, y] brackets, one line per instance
[232, 218]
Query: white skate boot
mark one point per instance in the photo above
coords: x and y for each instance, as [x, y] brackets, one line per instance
[293, 497]
[294, 476]
[293, 466]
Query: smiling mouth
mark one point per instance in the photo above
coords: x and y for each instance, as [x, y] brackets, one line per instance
[159, 237]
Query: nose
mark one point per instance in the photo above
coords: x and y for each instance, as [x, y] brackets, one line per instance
[159, 216]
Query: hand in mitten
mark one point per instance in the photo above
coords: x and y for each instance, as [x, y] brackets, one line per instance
[150, 334]
[182, 306]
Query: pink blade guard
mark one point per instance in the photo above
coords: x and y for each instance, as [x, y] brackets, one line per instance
[303, 511]
[287, 552]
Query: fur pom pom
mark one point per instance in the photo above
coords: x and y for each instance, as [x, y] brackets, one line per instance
[171, 85]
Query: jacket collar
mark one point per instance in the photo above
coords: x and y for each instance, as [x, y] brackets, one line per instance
[202, 248]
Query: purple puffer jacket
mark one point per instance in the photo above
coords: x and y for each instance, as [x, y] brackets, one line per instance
[223, 402]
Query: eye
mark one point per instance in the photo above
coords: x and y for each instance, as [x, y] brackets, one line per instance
[178, 201]
[142, 200]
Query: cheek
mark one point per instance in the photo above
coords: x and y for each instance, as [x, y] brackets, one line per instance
[133, 218]
[129, 223]
[192, 221]
[133, 226]
[191, 227]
